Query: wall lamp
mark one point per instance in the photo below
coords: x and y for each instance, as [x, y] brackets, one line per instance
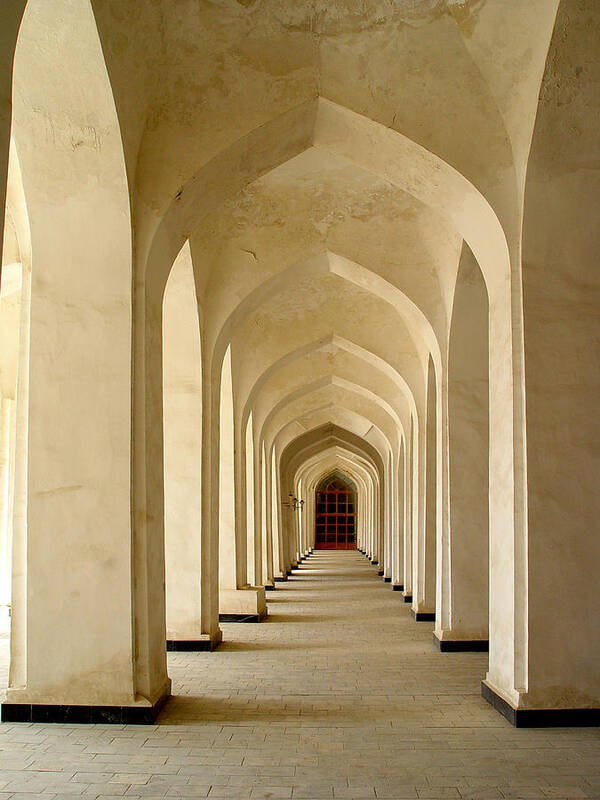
[294, 503]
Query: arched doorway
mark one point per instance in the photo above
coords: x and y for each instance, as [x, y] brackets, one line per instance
[335, 513]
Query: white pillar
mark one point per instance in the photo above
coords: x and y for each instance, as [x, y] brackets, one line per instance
[462, 603]
[182, 413]
[5, 517]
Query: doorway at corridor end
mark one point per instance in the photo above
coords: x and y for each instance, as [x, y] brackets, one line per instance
[335, 513]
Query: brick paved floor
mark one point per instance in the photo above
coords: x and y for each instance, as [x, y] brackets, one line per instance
[340, 694]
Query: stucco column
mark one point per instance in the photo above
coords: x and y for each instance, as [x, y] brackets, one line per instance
[5, 521]
[265, 523]
[462, 602]
[182, 410]
[557, 680]
[398, 540]
[257, 533]
[237, 600]
[280, 530]
[385, 565]
[11, 19]
[79, 515]
[411, 481]
[424, 587]
[279, 573]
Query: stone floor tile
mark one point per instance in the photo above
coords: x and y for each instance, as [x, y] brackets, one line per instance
[130, 778]
[340, 693]
[195, 790]
[270, 793]
[227, 793]
[312, 792]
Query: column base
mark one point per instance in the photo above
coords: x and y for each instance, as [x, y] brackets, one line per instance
[269, 587]
[461, 645]
[541, 717]
[375, 563]
[205, 643]
[387, 580]
[398, 587]
[407, 597]
[242, 605]
[143, 713]
[423, 616]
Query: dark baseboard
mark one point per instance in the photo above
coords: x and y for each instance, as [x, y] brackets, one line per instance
[78, 715]
[239, 618]
[191, 645]
[408, 598]
[398, 587]
[462, 645]
[423, 616]
[542, 717]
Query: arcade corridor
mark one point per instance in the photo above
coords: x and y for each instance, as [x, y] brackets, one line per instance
[339, 688]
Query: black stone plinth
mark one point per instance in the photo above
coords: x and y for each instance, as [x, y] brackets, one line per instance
[398, 587]
[280, 580]
[542, 717]
[423, 616]
[269, 587]
[191, 645]
[462, 645]
[387, 580]
[81, 715]
[408, 598]
[380, 573]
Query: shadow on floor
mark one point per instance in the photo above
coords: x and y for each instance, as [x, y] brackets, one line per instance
[183, 709]
[287, 599]
[228, 646]
[302, 618]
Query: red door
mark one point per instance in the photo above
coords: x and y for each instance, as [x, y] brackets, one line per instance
[335, 516]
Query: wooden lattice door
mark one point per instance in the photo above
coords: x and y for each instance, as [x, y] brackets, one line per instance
[335, 515]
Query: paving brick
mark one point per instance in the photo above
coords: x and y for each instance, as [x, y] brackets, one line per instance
[339, 695]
